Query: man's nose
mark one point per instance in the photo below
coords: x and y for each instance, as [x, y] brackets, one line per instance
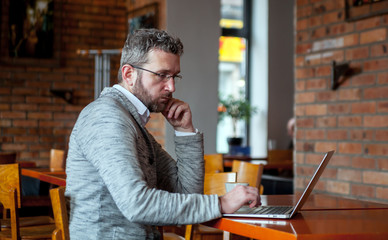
[170, 85]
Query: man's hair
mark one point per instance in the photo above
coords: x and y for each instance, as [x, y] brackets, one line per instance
[142, 41]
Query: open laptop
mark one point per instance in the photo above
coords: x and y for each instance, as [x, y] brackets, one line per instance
[284, 212]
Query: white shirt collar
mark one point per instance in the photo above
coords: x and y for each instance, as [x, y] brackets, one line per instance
[143, 111]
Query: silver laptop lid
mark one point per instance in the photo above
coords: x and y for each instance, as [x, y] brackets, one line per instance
[312, 182]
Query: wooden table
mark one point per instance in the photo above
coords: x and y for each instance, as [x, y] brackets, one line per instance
[323, 217]
[45, 175]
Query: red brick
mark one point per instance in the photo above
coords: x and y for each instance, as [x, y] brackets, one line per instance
[379, 50]
[338, 187]
[300, 86]
[323, 71]
[299, 61]
[357, 53]
[302, 24]
[315, 21]
[360, 134]
[315, 134]
[375, 35]
[25, 123]
[13, 115]
[382, 135]
[350, 94]
[377, 149]
[352, 121]
[303, 11]
[326, 122]
[383, 164]
[39, 115]
[337, 134]
[382, 107]
[304, 73]
[376, 121]
[349, 175]
[363, 163]
[333, 17]
[382, 78]
[303, 48]
[363, 190]
[340, 28]
[363, 80]
[363, 107]
[373, 65]
[316, 109]
[374, 177]
[316, 84]
[319, 32]
[382, 193]
[368, 23]
[338, 108]
[351, 40]
[350, 148]
[306, 97]
[330, 56]
[326, 96]
[323, 147]
[376, 93]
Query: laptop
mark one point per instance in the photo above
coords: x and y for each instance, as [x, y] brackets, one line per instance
[284, 212]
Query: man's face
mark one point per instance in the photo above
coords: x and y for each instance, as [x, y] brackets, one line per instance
[150, 88]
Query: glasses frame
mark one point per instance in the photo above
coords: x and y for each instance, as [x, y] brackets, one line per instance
[163, 77]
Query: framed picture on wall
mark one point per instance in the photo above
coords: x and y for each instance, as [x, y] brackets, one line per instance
[145, 17]
[361, 9]
[30, 32]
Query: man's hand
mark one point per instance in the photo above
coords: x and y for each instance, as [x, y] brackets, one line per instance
[178, 114]
[239, 196]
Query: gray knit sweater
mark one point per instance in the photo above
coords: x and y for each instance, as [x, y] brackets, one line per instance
[121, 182]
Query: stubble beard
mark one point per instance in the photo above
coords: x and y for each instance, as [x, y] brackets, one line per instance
[143, 95]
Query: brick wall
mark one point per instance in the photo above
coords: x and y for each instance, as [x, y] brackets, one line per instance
[33, 120]
[353, 119]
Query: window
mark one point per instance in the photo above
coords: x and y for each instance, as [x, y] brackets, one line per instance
[233, 66]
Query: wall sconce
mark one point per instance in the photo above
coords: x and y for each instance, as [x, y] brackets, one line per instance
[336, 72]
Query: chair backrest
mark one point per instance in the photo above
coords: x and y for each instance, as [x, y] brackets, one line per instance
[10, 179]
[214, 183]
[279, 155]
[214, 163]
[58, 202]
[57, 160]
[7, 157]
[248, 172]
[8, 198]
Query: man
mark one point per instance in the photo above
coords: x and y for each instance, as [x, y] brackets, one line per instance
[120, 181]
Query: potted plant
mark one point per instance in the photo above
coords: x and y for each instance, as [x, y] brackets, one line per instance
[237, 109]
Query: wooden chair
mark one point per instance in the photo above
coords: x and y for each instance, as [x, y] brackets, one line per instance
[248, 172]
[57, 160]
[214, 163]
[214, 183]
[58, 200]
[10, 179]
[9, 197]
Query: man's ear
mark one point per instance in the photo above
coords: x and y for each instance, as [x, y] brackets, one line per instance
[129, 75]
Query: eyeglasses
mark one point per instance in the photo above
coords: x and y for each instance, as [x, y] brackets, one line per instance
[162, 77]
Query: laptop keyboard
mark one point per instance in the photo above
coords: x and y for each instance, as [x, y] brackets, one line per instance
[272, 210]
